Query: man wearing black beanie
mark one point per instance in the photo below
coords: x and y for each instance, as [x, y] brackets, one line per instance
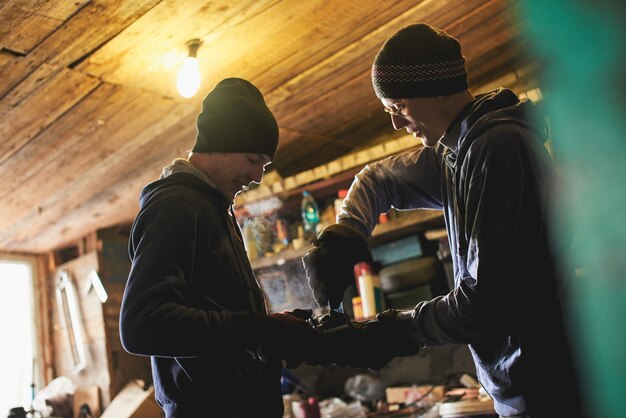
[192, 302]
[485, 165]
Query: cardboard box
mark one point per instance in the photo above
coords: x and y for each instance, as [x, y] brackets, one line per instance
[134, 402]
[408, 394]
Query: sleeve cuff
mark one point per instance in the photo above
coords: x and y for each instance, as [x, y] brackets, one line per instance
[407, 325]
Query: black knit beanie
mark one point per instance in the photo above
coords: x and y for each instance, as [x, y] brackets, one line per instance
[419, 61]
[235, 119]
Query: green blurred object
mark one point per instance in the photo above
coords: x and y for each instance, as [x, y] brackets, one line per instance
[581, 44]
[407, 299]
[408, 273]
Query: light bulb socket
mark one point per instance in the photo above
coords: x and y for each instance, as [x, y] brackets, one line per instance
[193, 46]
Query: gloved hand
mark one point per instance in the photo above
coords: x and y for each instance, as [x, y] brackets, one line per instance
[329, 265]
[289, 336]
[367, 344]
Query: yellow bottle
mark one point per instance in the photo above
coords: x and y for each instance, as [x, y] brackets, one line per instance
[249, 241]
[370, 290]
[357, 308]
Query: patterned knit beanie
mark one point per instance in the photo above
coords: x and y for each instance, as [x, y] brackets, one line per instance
[419, 61]
[235, 119]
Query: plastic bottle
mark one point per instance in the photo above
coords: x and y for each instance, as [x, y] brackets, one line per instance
[370, 289]
[249, 241]
[357, 308]
[341, 194]
[310, 214]
[309, 408]
[281, 234]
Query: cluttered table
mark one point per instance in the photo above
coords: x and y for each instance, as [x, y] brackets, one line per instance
[417, 401]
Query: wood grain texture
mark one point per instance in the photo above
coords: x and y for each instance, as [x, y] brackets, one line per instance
[93, 176]
[89, 112]
[114, 268]
[41, 108]
[25, 23]
[92, 26]
[148, 53]
[96, 372]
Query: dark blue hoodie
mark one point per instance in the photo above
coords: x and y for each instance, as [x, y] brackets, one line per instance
[492, 176]
[190, 303]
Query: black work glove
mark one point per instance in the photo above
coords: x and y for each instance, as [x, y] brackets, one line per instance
[367, 344]
[288, 335]
[329, 265]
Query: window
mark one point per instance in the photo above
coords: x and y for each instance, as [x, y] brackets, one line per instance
[17, 328]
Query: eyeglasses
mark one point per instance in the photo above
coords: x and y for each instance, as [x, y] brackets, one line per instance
[396, 109]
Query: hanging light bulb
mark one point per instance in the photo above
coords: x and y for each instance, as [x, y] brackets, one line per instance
[188, 79]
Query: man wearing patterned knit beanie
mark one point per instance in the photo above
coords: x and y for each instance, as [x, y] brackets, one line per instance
[485, 165]
[191, 301]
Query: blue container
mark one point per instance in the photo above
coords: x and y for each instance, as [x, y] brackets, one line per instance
[398, 250]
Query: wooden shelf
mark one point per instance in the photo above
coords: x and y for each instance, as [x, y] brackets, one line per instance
[410, 222]
[279, 259]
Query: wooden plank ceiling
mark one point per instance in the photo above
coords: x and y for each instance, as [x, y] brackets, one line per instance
[89, 112]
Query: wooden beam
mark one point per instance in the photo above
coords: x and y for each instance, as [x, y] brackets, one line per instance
[351, 61]
[334, 54]
[87, 30]
[104, 186]
[41, 108]
[26, 23]
[350, 163]
[258, 40]
[148, 54]
[52, 145]
[116, 202]
[321, 103]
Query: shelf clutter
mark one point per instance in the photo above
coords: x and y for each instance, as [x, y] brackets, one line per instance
[401, 224]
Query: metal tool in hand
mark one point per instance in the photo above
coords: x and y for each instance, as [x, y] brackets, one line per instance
[327, 324]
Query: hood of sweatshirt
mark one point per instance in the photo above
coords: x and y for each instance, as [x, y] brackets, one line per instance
[182, 179]
[495, 107]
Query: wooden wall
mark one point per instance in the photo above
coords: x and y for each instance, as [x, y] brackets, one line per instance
[96, 371]
[114, 268]
[43, 314]
[109, 367]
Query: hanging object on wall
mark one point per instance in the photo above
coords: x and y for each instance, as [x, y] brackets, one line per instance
[188, 80]
[94, 282]
[71, 320]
